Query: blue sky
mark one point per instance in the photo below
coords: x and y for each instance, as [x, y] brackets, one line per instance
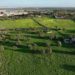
[37, 3]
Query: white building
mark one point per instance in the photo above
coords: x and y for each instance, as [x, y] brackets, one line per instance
[12, 12]
[2, 12]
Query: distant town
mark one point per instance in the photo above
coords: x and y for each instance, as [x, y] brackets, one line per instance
[50, 12]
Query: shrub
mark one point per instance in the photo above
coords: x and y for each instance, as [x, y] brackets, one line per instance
[34, 46]
[49, 50]
[1, 47]
[0, 38]
[14, 47]
[59, 43]
[18, 42]
[30, 46]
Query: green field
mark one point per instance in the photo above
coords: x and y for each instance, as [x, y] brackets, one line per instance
[19, 23]
[20, 60]
[65, 23]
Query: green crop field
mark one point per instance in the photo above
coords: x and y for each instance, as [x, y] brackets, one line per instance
[16, 58]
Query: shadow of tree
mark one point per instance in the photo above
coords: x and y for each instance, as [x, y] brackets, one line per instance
[25, 49]
[68, 45]
[71, 31]
[37, 37]
[69, 67]
[64, 52]
[7, 43]
[19, 48]
[31, 33]
[41, 44]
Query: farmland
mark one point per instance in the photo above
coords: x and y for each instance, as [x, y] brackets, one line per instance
[22, 51]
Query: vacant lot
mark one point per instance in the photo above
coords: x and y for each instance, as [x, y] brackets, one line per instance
[19, 57]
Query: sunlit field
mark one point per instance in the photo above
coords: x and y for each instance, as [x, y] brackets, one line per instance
[19, 23]
[65, 23]
[33, 51]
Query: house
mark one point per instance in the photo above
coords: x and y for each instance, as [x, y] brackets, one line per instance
[2, 13]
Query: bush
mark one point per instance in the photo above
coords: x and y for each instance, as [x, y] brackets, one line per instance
[1, 47]
[30, 46]
[59, 43]
[34, 46]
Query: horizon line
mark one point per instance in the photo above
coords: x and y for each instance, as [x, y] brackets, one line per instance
[37, 7]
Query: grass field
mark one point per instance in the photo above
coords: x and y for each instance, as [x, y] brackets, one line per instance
[21, 61]
[19, 23]
[65, 23]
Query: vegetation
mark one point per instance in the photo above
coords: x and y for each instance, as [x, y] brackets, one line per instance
[36, 51]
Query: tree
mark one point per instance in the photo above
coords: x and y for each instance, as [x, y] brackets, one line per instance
[3, 36]
[48, 49]
[41, 34]
[18, 42]
[30, 46]
[14, 47]
[59, 43]
[48, 44]
[34, 46]
[1, 47]
[0, 38]
[19, 36]
[52, 36]
[29, 40]
[43, 51]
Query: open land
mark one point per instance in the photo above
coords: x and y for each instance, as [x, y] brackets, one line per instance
[23, 42]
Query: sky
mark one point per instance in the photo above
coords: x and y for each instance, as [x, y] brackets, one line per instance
[37, 3]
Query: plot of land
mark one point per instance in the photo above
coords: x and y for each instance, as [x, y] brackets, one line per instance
[18, 59]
